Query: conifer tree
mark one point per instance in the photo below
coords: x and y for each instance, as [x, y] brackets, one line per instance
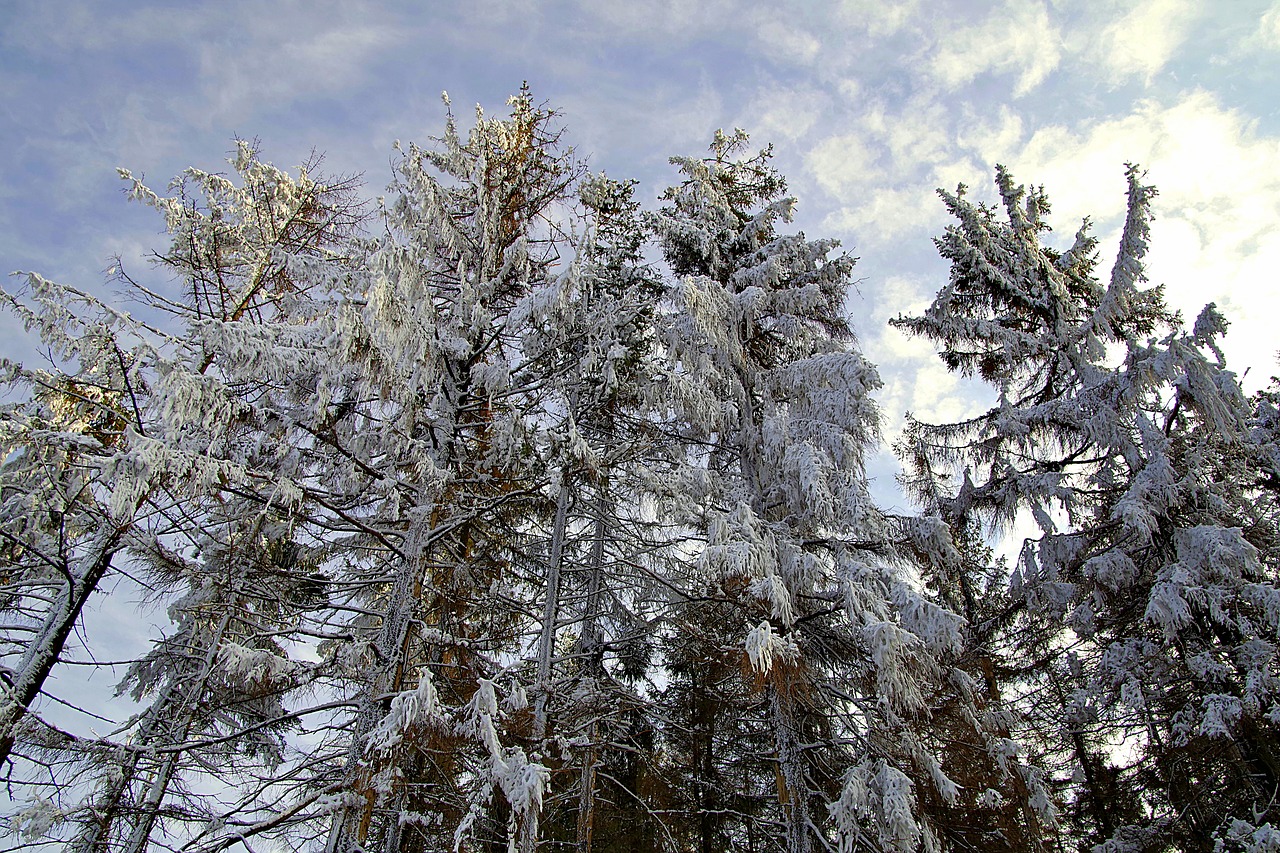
[591, 339]
[440, 439]
[63, 523]
[798, 577]
[234, 252]
[1147, 605]
[480, 531]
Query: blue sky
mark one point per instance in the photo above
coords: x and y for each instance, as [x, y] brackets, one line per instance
[870, 106]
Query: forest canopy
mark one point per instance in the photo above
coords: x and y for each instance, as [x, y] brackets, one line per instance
[508, 512]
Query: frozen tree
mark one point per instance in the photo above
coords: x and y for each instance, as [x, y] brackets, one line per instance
[479, 529]
[435, 446]
[67, 506]
[1146, 624]
[798, 579]
[591, 338]
[223, 561]
[346, 448]
[245, 255]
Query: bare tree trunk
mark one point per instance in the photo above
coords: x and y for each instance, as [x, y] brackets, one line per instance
[591, 610]
[547, 640]
[551, 611]
[587, 793]
[590, 644]
[390, 646]
[149, 809]
[793, 787]
[46, 649]
[96, 837]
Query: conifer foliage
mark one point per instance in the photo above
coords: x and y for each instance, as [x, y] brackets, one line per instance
[1139, 635]
[469, 524]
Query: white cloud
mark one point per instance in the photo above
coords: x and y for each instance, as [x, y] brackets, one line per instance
[915, 379]
[1267, 35]
[1144, 40]
[882, 214]
[1016, 38]
[917, 136]
[639, 128]
[783, 113]
[885, 175]
[877, 17]
[279, 64]
[849, 89]
[783, 41]
[984, 135]
[844, 164]
[680, 20]
[63, 28]
[911, 140]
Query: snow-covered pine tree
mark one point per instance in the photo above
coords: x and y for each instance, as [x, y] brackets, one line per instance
[796, 577]
[63, 519]
[356, 410]
[1147, 606]
[217, 551]
[590, 340]
[1001, 800]
[437, 439]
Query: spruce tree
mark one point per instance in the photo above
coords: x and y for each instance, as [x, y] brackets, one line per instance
[1145, 606]
[590, 340]
[439, 440]
[800, 578]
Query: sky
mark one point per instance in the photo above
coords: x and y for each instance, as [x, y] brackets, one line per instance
[870, 105]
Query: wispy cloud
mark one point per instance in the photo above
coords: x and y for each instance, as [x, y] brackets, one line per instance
[877, 18]
[1144, 39]
[872, 105]
[275, 63]
[1017, 38]
[778, 112]
[1267, 34]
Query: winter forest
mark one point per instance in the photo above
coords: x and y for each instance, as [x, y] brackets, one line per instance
[513, 512]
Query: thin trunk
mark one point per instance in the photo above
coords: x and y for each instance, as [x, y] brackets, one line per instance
[96, 837]
[546, 642]
[1097, 799]
[591, 667]
[551, 612]
[350, 823]
[46, 649]
[749, 444]
[792, 783]
[793, 789]
[587, 793]
[591, 609]
[149, 809]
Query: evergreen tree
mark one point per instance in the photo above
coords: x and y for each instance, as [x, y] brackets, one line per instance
[799, 576]
[482, 531]
[591, 338]
[439, 441]
[235, 579]
[1147, 612]
[63, 522]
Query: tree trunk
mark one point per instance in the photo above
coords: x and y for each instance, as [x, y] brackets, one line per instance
[793, 788]
[149, 809]
[551, 611]
[547, 641]
[46, 649]
[350, 823]
[592, 672]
